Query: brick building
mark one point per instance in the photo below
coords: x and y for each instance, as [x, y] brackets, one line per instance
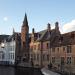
[50, 46]
[22, 43]
[46, 46]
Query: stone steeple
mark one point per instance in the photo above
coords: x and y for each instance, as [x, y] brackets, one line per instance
[25, 22]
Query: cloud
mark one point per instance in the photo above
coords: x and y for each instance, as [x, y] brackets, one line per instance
[70, 26]
[5, 18]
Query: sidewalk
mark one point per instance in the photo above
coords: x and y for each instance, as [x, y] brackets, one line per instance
[46, 71]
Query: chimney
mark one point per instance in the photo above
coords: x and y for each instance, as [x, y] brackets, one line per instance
[33, 31]
[56, 25]
[48, 27]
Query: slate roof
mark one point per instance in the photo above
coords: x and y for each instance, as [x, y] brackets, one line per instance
[64, 39]
[15, 36]
[45, 35]
[56, 39]
[3, 37]
[40, 35]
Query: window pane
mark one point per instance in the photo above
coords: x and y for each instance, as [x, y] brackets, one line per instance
[68, 49]
[53, 59]
[53, 49]
[68, 60]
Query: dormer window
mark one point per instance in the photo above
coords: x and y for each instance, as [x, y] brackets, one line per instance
[61, 39]
[47, 45]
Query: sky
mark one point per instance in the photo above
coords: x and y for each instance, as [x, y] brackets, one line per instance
[39, 14]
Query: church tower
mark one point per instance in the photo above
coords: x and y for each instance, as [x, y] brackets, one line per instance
[25, 40]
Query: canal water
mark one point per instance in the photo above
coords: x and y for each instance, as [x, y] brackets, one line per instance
[19, 71]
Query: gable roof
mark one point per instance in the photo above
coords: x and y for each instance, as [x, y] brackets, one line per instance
[45, 35]
[64, 39]
[41, 35]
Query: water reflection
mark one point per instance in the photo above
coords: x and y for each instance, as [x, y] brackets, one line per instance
[7, 71]
[18, 71]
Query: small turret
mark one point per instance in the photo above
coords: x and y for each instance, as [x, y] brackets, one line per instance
[48, 27]
[56, 25]
[33, 31]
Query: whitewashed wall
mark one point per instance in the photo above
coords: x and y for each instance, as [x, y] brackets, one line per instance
[9, 52]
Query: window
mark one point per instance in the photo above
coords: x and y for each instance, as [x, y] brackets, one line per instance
[31, 55]
[2, 55]
[31, 47]
[58, 49]
[38, 46]
[53, 49]
[47, 46]
[47, 57]
[74, 60]
[13, 55]
[23, 44]
[68, 49]
[61, 38]
[63, 49]
[43, 56]
[37, 57]
[34, 56]
[68, 60]
[53, 59]
[9, 55]
[62, 60]
[34, 47]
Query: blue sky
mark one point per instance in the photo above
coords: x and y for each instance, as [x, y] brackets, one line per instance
[39, 13]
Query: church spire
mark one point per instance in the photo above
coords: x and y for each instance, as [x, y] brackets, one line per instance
[25, 22]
